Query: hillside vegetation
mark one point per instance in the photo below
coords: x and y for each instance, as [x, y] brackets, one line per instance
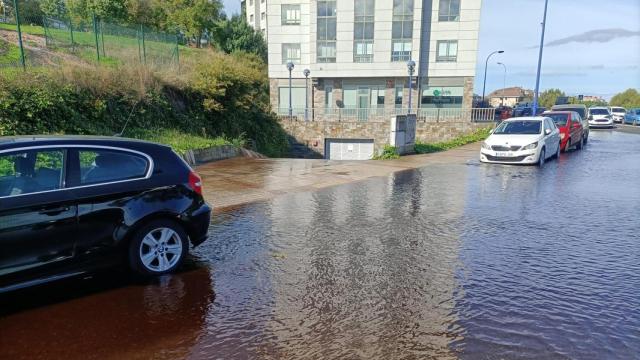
[215, 98]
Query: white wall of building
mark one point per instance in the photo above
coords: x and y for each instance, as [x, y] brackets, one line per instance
[465, 31]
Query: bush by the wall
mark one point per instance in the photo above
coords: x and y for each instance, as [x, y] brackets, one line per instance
[223, 97]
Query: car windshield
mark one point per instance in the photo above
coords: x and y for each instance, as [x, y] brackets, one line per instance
[524, 127]
[579, 110]
[599, 112]
[559, 119]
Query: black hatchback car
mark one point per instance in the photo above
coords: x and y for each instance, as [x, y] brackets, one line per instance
[71, 205]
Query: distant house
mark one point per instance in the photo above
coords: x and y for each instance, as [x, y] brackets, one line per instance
[592, 98]
[509, 96]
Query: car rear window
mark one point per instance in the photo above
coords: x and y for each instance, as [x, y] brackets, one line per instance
[525, 127]
[559, 119]
[618, 110]
[579, 110]
[599, 112]
[102, 166]
[30, 172]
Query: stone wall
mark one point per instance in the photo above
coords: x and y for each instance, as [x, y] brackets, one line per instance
[312, 134]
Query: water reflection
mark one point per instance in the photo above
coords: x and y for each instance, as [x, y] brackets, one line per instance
[107, 318]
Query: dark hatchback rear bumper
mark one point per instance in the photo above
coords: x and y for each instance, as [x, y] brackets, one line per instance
[198, 222]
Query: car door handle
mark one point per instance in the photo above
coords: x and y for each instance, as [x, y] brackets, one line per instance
[54, 211]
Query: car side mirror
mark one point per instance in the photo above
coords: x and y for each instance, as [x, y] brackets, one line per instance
[547, 131]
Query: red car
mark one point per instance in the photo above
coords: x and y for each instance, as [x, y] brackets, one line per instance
[570, 125]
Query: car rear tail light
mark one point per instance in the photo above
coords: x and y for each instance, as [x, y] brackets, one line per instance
[195, 182]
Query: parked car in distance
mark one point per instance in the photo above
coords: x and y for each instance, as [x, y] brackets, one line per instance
[524, 140]
[526, 111]
[600, 117]
[632, 117]
[618, 113]
[582, 110]
[73, 205]
[570, 125]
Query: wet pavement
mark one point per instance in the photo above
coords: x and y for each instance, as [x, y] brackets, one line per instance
[453, 260]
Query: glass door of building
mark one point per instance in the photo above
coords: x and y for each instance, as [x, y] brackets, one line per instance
[364, 102]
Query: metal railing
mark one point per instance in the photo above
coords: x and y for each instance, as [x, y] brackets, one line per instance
[380, 114]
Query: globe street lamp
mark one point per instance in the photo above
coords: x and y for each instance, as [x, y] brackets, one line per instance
[504, 82]
[290, 67]
[411, 66]
[484, 86]
[306, 73]
[534, 111]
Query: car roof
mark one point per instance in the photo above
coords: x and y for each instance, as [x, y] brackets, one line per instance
[568, 106]
[10, 142]
[526, 118]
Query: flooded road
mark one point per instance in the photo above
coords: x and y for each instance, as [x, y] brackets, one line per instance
[463, 261]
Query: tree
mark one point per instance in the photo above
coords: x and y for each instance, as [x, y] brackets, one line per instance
[146, 12]
[193, 17]
[235, 34]
[629, 99]
[54, 8]
[109, 10]
[30, 12]
[548, 97]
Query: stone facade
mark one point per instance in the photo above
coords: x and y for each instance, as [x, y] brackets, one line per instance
[312, 135]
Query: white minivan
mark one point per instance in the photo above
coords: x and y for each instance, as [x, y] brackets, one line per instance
[524, 140]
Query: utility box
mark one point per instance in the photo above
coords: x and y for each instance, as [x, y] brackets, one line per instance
[403, 133]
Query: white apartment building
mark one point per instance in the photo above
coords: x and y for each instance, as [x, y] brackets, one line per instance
[357, 53]
[256, 14]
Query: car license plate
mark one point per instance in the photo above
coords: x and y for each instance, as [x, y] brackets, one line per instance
[504, 154]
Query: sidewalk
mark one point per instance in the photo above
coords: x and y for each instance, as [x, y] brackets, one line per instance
[238, 181]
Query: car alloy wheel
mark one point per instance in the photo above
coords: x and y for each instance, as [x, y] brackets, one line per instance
[580, 144]
[542, 158]
[558, 151]
[158, 248]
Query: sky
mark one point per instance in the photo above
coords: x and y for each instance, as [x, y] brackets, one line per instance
[592, 46]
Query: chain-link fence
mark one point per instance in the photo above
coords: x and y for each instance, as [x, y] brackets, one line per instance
[41, 41]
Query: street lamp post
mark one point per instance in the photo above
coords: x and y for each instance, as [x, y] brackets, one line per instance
[535, 95]
[486, 63]
[504, 82]
[290, 67]
[306, 73]
[411, 66]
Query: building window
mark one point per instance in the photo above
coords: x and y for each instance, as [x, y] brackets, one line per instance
[326, 32]
[291, 53]
[297, 100]
[251, 19]
[449, 10]
[262, 1]
[363, 30]
[262, 16]
[402, 30]
[447, 51]
[290, 14]
[328, 97]
[250, 2]
[399, 96]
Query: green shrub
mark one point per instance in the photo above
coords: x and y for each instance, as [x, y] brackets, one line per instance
[479, 135]
[388, 152]
[224, 100]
